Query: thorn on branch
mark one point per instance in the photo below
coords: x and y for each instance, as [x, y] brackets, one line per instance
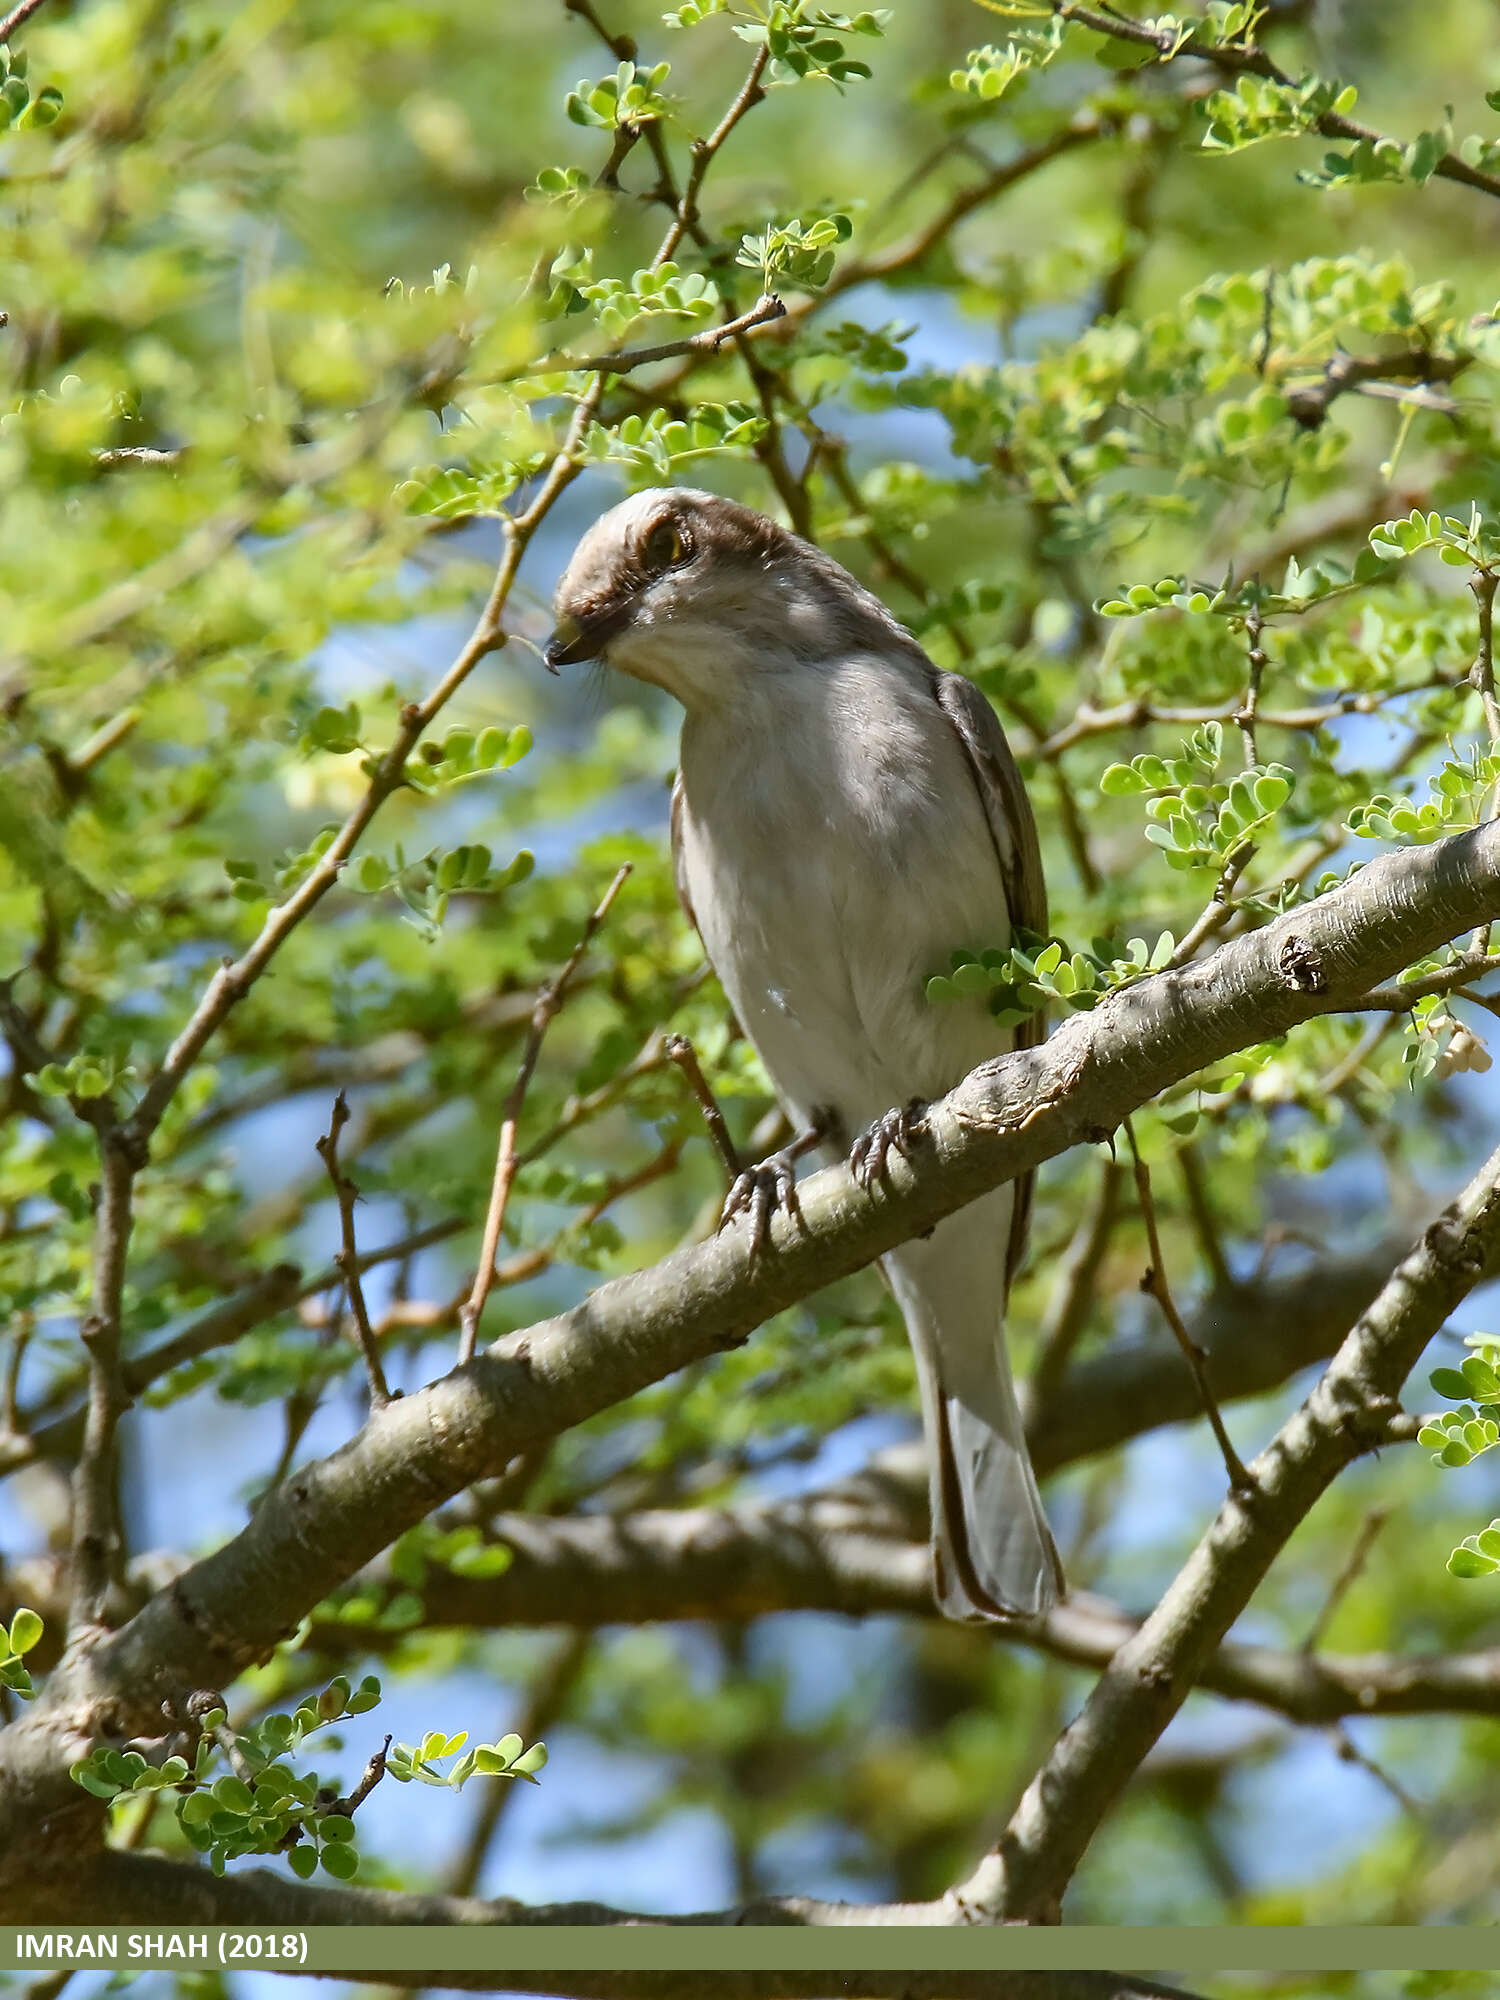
[346, 1261]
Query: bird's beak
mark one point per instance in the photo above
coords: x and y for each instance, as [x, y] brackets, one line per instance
[583, 638]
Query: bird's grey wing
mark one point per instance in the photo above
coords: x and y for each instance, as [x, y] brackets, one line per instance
[1012, 826]
[679, 860]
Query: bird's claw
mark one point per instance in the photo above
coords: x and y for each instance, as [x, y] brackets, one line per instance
[759, 1192]
[893, 1131]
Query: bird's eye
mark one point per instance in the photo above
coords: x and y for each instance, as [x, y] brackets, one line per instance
[665, 547]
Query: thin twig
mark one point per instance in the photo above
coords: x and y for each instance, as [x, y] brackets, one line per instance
[1219, 908]
[233, 980]
[373, 1772]
[1245, 714]
[709, 340]
[1482, 674]
[234, 1756]
[1350, 1753]
[1398, 996]
[1089, 721]
[10, 1417]
[679, 1050]
[1205, 1223]
[1267, 324]
[1359, 1555]
[1343, 1072]
[1083, 129]
[17, 17]
[347, 1260]
[139, 454]
[1246, 59]
[1374, 374]
[1073, 1292]
[751, 91]
[1155, 1283]
[548, 1000]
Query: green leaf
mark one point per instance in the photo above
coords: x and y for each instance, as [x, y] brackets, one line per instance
[1120, 780]
[340, 1861]
[92, 1781]
[26, 1629]
[1448, 1382]
[1467, 1561]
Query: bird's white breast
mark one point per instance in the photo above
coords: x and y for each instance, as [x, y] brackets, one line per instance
[836, 853]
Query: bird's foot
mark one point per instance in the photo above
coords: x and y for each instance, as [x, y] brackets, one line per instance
[760, 1191]
[892, 1132]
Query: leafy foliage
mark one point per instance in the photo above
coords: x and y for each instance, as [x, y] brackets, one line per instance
[1191, 469]
[262, 1805]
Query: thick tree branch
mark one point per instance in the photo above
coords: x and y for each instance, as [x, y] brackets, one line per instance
[95, 1495]
[117, 1886]
[333, 1516]
[1148, 1680]
[860, 1548]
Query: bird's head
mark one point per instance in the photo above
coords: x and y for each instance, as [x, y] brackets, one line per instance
[700, 595]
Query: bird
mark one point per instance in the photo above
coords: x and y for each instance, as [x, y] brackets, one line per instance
[844, 817]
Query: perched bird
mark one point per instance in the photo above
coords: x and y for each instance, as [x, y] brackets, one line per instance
[844, 817]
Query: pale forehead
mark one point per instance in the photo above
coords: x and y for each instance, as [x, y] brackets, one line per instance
[631, 517]
[616, 533]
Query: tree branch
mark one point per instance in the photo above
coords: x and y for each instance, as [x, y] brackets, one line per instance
[17, 17]
[767, 309]
[1252, 61]
[860, 1549]
[95, 1496]
[1026, 1873]
[332, 1516]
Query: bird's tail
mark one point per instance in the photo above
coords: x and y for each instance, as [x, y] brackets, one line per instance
[993, 1552]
